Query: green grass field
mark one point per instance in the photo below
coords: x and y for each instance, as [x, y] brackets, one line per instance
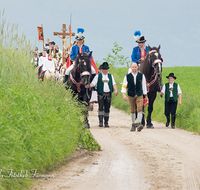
[40, 123]
[188, 114]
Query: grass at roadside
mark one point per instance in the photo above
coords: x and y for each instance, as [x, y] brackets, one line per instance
[188, 114]
[40, 123]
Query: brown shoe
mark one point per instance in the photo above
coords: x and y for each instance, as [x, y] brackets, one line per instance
[140, 127]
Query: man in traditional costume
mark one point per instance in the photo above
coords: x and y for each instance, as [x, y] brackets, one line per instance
[52, 50]
[172, 93]
[79, 47]
[105, 86]
[139, 52]
[135, 83]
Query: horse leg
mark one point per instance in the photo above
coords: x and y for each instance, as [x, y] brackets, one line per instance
[143, 119]
[152, 97]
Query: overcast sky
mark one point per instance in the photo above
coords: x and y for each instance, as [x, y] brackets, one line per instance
[173, 24]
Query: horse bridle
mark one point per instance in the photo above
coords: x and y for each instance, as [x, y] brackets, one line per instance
[155, 75]
[78, 84]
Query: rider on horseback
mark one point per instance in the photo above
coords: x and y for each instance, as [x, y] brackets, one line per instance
[139, 52]
[79, 47]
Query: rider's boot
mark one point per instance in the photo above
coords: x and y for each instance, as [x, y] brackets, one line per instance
[168, 121]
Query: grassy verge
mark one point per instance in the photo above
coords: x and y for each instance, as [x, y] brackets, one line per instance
[188, 114]
[40, 123]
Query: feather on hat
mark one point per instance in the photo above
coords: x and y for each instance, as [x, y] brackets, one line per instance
[137, 35]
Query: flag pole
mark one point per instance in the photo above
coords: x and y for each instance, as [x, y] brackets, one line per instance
[43, 34]
[70, 33]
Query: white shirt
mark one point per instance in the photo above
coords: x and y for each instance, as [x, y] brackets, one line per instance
[125, 83]
[42, 60]
[105, 80]
[48, 65]
[171, 86]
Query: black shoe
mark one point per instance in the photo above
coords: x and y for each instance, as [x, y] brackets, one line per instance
[100, 120]
[106, 118]
[107, 126]
[173, 121]
[140, 127]
[168, 121]
[133, 128]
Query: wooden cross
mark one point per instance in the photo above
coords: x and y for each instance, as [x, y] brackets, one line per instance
[63, 35]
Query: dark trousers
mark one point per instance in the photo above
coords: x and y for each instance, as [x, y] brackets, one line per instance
[104, 101]
[170, 107]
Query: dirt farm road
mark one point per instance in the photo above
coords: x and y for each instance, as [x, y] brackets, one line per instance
[159, 158]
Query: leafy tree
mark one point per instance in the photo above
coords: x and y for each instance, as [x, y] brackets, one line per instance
[115, 59]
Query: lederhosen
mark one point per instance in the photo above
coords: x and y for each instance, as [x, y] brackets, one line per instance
[104, 98]
[135, 90]
[171, 102]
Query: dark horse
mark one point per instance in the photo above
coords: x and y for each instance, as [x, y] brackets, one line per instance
[152, 69]
[80, 76]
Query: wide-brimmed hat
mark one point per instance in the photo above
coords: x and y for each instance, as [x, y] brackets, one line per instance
[105, 66]
[138, 37]
[171, 75]
[79, 35]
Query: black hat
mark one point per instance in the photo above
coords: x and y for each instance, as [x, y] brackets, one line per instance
[171, 75]
[53, 43]
[141, 39]
[100, 67]
[104, 66]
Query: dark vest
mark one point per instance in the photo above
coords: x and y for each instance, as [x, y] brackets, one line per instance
[174, 92]
[132, 88]
[100, 83]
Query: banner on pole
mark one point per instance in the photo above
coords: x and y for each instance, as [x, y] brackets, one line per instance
[40, 33]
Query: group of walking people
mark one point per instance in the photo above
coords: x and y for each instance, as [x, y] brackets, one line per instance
[134, 84]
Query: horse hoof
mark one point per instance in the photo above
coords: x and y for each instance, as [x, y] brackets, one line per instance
[150, 126]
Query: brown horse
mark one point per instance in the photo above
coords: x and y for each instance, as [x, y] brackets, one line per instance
[152, 69]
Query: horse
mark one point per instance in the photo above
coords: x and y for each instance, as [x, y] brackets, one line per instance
[80, 76]
[151, 67]
[50, 75]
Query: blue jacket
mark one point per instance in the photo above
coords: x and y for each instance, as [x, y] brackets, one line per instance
[136, 53]
[75, 50]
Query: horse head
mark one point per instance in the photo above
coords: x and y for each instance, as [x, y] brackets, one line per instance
[154, 58]
[82, 68]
